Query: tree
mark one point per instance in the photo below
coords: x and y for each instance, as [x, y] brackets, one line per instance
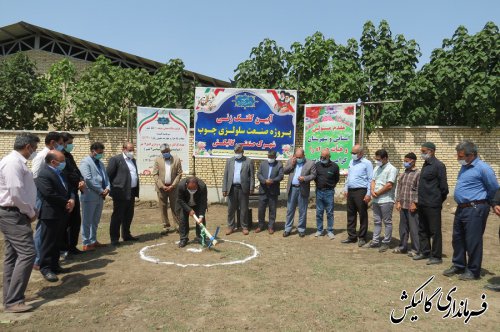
[19, 91]
[168, 85]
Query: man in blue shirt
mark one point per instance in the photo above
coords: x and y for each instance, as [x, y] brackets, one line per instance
[474, 192]
[357, 191]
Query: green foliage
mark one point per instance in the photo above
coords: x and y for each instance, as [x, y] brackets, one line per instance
[20, 106]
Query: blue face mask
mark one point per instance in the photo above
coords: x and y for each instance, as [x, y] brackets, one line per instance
[300, 160]
[98, 156]
[69, 147]
[166, 155]
[59, 147]
[61, 166]
[406, 165]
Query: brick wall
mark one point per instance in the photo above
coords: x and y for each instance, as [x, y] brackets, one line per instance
[397, 140]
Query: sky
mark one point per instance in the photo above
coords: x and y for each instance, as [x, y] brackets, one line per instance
[213, 37]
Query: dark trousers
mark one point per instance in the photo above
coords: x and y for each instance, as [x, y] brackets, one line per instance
[356, 205]
[19, 255]
[237, 202]
[74, 225]
[468, 229]
[408, 228]
[265, 201]
[50, 232]
[429, 230]
[184, 226]
[123, 213]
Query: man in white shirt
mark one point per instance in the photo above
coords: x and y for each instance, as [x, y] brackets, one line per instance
[167, 173]
[17, 212]
[124, 180]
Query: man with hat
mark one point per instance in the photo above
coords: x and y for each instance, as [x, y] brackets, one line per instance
[474, 192]
[432, 192]
[270, 175]
[237, 184]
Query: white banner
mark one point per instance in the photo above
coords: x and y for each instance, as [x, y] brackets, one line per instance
[156, 126]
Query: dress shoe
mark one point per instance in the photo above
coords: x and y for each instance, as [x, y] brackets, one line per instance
[286, 234]
[98, 244]
[75, 251]
[271, 231]
[467, 275]
[372, 245]
[131, 238]
[89, 247]
[348, 241]
[361, 242]
[50, 276]
[245, 231]
[183, 243]
[302, 234]
[419, 257]
[229, 231]
[452, 271]
[116, 243]
[258, 230]
[434, 260]
[60, 270]
[493, 287]
[18, 307]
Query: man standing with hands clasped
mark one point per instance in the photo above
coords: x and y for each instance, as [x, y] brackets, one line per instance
[17, 212]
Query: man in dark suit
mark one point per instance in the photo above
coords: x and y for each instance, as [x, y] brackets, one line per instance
[238, 183]
[124, 180]
[302, 172]
[57, 202]
[191, 200]
[270, 175]
[69, 239]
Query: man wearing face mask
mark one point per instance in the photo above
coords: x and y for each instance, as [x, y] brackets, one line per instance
[406, 204]
[301, 172]
[357, 190]
[191, 200]
[53, 141]
[270, 175]
[327, 177]
[58, 200]
[69, 239]
[237, 185]
[432, 192]
[383, 189]
[124, 180]
[167, 173]
[17, 212]
[92, 198]
[474, 193]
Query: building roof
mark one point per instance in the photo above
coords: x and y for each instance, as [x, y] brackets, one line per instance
[23, 36]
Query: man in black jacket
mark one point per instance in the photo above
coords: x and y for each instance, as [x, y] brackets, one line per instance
[57, 201]
[191, 200]
[432, 192]
[69, 240]
[124, 180]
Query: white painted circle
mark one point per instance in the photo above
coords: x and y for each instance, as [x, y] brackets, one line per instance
[144, 256]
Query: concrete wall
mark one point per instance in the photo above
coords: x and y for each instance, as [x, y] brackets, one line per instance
[397, 140]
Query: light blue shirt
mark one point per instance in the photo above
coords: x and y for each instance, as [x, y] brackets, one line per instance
[475, 182]
[270, 170]
[382, 175]
[359, 175]
[58, 173]
[133, 171]
[298, 171]
[237, 172]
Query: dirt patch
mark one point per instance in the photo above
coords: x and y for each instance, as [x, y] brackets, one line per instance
[294, 284]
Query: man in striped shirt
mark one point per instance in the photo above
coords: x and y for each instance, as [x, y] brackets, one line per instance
[406, 204]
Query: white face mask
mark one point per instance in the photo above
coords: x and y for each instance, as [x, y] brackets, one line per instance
[271, 160]
[238, 155]
[129, 154]
[425, 156]
[378, 163]
[192, 192]
[462, 162]
[355, 157]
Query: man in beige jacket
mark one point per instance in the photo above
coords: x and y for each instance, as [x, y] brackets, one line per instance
[167, 173]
